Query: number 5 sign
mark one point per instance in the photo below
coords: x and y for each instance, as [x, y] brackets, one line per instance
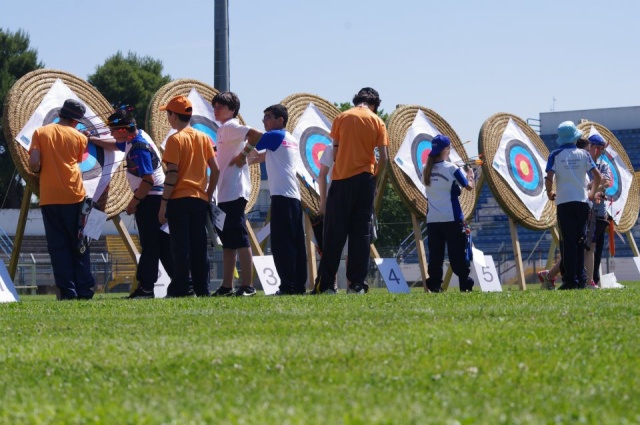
[393, 278]
[485, 272]
[267, 273]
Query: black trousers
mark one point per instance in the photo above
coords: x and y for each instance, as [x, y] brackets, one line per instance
[572, 219]
[156, 244]
[348, 213]
[188, 234]
[451, 234]
[601, 226]
[287, 244]
[71, 271]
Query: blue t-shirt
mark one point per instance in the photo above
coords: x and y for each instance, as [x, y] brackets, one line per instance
[139, 161]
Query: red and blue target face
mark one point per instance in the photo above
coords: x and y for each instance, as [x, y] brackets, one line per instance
[420, 149]
[615, 190]
[93, 157]
[523, 168]
[313, 142]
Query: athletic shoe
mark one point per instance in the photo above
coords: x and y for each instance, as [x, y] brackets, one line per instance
[189, 294]
[358, 288]
[140, 293]
[592, 285]
[546, 281]
[245, 291]
[222, 291]
[329, 291]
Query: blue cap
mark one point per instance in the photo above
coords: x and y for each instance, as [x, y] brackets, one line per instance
[568, 133]
[438, 144]
[597, 140]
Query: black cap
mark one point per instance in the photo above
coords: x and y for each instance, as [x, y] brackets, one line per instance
[72, 109]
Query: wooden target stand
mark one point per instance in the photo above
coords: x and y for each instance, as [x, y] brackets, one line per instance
[297, 104]
[491, 134]
[400, 125]
[23, 99]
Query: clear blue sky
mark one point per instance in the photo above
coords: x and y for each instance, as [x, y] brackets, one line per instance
[464, 59]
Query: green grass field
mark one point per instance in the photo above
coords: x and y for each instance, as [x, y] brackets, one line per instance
[532, 357]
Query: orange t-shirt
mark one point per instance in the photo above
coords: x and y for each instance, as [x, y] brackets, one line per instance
[61, 148]
[357, 132]
[191, 151]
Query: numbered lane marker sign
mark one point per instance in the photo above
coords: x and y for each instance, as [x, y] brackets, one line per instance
[485, 273]
[8, 293]
[267, 273]
[392, 276]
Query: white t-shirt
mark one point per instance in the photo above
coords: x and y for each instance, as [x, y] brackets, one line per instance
[326, 159]
[444, 191]
[234, 182]
[281, 159]
[570, 165]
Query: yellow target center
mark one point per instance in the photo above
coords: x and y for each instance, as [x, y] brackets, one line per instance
[524, 167]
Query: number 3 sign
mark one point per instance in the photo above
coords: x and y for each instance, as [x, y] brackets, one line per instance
[267, 273]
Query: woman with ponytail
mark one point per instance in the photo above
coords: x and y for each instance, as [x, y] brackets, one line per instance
[443, 181]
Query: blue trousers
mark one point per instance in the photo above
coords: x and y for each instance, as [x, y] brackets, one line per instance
[188, 234]
[71, 271]
[287, 244]
[156, 244]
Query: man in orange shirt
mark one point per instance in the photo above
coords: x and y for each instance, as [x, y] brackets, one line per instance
[54, 155]
[355, 133]
[185, 200]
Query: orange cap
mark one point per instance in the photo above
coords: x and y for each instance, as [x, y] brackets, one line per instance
[179, 105]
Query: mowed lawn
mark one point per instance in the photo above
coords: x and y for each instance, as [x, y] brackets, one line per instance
[532, 357]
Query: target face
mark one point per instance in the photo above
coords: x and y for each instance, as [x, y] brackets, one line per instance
[420, 149]
[207, 126]
[615, 190]
[93, 156]
[313, 142]
[523, 168]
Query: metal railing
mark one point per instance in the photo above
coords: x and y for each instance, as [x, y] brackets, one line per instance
[6, 244]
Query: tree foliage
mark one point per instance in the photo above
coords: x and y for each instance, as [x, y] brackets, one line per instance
[394, 219]
[16, 60]
[130, 80]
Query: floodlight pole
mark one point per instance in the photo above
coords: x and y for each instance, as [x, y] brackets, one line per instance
[221, 45]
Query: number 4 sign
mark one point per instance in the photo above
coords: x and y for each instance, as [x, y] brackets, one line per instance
[393, 278]
[266, 269]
